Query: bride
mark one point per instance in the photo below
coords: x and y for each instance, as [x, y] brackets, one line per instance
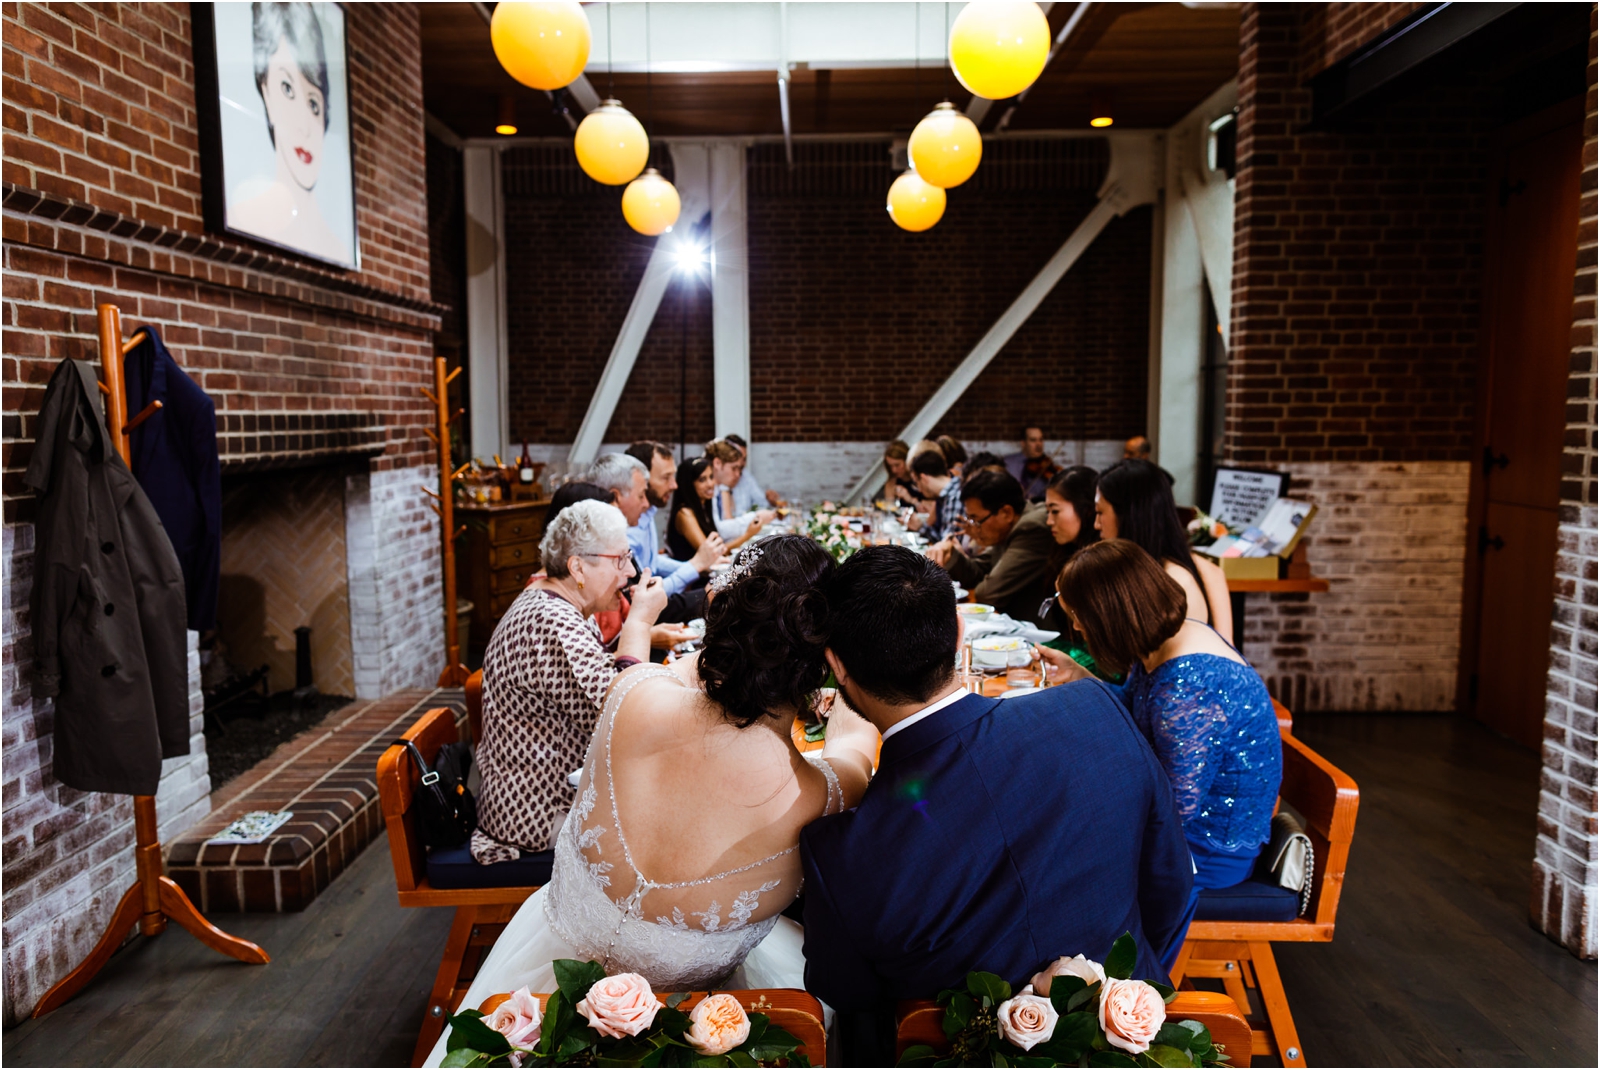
[682, 851]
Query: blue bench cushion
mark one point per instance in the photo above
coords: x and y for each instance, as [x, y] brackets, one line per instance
[1250, 901]
[453, 867]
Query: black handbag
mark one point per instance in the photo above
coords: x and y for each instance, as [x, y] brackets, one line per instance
[446, 812]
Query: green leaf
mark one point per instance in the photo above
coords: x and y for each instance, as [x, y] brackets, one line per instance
[1073, 1036]
[945, 996]
[1202, 1035]
[918, 1055]
[676, 998]
[673, 1022]
[1124, 955]
[740, 1058]
[460, 1057]
[468, 1031]
[999, 1060]
[1175, 1034]
[987, 986]
[1168, 994]
[1083, 998]
[553, 1026]
[1111, 1058]
[959, 1013]
[1063, 989]
[1166, 1055]
[576, 978]
[575, 1041]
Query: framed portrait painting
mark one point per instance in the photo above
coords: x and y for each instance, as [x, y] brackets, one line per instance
[273, 94]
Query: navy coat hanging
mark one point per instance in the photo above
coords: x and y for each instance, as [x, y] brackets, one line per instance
[175, 461]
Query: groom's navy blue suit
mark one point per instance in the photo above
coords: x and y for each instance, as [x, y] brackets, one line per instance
[995, 836]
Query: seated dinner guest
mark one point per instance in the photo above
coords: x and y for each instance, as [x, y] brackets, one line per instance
[1069, 511]
[628, 481]
[954, 453]
[747, 493]
[995, 836]
[691, 518]
[1201, 706]
[727, 468]
[900, 487]
[1133, 501]
[545, 674]
[683, 848]
[1015, 575]
[931, 473]
[1031, 466]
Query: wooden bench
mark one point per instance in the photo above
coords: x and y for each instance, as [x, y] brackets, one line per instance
[481, 913]
[1239, 953]
[921, 1021]
[793, 1009]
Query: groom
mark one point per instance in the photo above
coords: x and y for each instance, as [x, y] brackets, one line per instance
[995, 836]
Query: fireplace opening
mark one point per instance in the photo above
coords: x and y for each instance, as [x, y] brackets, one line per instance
[281, 657]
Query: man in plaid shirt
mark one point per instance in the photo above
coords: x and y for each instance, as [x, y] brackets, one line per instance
[931, 472]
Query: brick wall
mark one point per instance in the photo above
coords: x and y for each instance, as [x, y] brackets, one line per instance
[842, 304]
[101, 196]
[1566, 864]
[1333, 31]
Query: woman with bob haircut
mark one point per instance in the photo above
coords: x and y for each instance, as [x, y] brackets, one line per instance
[545, 675]
[1134, 501]
[1204, 710]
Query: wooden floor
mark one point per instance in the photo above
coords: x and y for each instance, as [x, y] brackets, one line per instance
[1434, 963]
[346, 986]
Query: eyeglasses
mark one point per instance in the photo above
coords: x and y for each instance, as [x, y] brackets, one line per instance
[619, 559]
[976, 521]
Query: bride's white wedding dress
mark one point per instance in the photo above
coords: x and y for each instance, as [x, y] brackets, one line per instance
[711, 931]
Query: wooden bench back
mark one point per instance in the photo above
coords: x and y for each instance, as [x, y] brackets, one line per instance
[1327, 799]
[793, 1009]
[921, 1021]
[397, 780]
[474, 694]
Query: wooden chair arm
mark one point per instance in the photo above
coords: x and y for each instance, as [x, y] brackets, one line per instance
[1327, 798]
[474, 698]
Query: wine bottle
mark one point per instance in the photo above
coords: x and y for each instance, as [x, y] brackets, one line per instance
[525, 466]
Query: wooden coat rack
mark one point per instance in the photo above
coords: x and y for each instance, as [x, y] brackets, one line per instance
[154, 898]
[444, 503]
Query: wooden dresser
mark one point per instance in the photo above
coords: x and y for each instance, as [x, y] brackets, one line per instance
[494, 558]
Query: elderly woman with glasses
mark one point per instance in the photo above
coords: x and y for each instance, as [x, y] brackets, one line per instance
[545, 675]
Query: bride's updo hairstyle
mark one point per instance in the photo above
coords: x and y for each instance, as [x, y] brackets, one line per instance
[766, 625]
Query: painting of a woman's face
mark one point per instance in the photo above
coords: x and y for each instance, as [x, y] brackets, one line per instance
[296, 110]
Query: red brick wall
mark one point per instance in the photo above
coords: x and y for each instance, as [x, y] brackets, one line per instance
[1333, 31]
[102, 205]
[1356, 267]
[843, 305]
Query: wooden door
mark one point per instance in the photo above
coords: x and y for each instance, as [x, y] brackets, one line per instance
[1530, 258]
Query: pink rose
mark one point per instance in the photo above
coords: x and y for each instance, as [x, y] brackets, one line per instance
[1076, 966]
[718, 1025]
[622, 1005]
[1026, 1020]
[1131, 1013]
[517, 1019]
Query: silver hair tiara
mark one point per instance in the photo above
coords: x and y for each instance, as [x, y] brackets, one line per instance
[738, 570]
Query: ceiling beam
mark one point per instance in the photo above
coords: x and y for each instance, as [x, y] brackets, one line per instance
[1078, 36]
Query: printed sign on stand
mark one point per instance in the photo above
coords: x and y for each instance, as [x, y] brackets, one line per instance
[1240, 495]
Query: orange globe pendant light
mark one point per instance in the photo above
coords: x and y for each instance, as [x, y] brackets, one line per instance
[915, 204]
[945, 147]
[611, 144]
[650, 204]
[544, 45]
[998, 47]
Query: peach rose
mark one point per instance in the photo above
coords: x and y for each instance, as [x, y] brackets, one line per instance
[622, 1005]
[1076, 966]
[1027, 1020]
[718, 1025]
[1131, 1013]
[517, 1019]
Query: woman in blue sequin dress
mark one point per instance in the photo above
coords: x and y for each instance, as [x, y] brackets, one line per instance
[1204, 710]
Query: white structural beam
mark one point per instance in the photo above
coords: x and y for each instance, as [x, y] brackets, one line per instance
[1131, 181]
[1197, 255]
[730, 290]
[690, 174]
[486, 305]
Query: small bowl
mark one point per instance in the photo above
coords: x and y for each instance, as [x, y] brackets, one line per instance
[975, 610]
[997, 651]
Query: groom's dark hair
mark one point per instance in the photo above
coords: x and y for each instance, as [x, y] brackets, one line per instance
[894, 623]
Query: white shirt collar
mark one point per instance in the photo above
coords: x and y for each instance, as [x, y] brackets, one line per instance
[927, 711]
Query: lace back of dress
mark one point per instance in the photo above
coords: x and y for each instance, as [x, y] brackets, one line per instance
[717, 903]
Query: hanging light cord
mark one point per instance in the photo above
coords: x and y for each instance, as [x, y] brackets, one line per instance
[611, 87]
[916, 54]
[949, 74]
[649, 89]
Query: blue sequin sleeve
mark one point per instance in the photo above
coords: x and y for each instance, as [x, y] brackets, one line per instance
[1213, 728]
